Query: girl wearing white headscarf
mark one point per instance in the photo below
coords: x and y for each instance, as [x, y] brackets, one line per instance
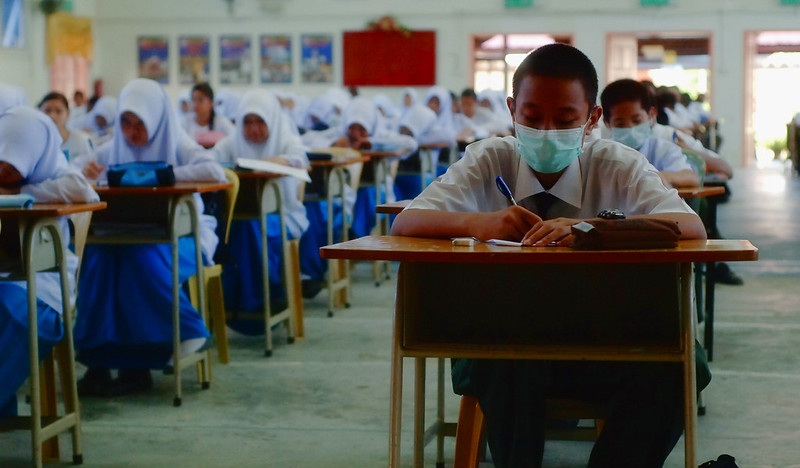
[263, 131]
[421, 123]
[361, 129]
[408, 97]
[31, 162]
[99, 122]
[389, 112]
[11, 96]
[125, 297]
[439, 100]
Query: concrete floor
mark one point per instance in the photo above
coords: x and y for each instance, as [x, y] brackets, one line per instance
[323, 401]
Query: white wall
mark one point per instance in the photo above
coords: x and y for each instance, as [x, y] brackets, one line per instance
[119, 22]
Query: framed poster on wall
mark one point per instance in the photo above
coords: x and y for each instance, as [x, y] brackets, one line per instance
[193, 62]
[235, 60]
[276, 59]
[316, 54]
[154, 58]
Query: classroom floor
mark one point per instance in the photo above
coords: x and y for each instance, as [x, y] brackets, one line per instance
[324, 400]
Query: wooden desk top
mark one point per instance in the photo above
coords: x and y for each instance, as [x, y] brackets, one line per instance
[700, 192]
[177, 189]
[46, 210]
[383, 154]
[339, 162]
[257, 175]
[413, 249]
[392, 207]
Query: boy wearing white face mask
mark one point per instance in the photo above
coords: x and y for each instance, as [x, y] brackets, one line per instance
[629, 112]
[553, 109]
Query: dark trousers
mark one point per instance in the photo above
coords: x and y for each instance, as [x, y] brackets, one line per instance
[643, 403]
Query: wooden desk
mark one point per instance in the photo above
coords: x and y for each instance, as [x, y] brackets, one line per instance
[43, 249]
[441, 308]
[689, 193]
[259, 195]
[330, 179]
[393, 208]
[160, 215]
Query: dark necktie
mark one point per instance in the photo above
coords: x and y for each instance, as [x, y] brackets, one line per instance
[543, 202]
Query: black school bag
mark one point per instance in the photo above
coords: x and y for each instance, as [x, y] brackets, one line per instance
[723, 461]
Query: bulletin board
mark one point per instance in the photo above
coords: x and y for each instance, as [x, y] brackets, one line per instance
[389, 58]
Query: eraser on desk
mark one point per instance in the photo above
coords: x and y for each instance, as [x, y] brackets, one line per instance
[463, 241]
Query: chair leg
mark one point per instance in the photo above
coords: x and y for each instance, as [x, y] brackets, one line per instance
[469, 433]
[294, 290]
[216, 307]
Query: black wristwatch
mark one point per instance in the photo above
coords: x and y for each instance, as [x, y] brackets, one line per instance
[611, 214]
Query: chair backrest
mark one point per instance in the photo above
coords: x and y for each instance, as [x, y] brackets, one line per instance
[79, 223]
[230, 201]
[697, 162]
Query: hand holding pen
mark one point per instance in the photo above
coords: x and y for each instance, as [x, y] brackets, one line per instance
[503, 187]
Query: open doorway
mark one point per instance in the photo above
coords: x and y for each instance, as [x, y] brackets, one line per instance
[495, 57]
[772, 71]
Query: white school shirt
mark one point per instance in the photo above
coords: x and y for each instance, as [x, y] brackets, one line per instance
[78, 145]
[221, 124]
[664, 155]
[606, 175]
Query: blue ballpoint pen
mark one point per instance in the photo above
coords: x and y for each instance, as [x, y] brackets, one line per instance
[503, 187]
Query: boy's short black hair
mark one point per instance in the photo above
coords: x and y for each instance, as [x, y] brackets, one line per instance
[626, 90]
[469, 93]
[558, 61]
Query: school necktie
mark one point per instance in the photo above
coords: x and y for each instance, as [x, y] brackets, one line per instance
[544, 201]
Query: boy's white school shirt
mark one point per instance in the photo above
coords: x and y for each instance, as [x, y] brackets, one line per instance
[606, 175]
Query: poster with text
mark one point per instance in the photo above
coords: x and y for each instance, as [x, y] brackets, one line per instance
[193, 64]
[276, 59]
[235, 60]
[154, 58]
[317, 58]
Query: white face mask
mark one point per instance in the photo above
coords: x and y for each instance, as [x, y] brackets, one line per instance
[549, 151]
[634, 137]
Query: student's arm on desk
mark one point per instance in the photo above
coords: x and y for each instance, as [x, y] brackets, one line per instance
[70, 187]
[196, 163]
[677, 179]
[509, 224]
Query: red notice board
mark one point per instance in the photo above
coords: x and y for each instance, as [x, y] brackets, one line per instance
[389, 58]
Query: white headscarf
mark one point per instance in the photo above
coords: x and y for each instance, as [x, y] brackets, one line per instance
[322, 108]
[386, 105]
[412, 93]
[11, 96]
[226, 103]
[105, 107]
[364, 112]
[419, 119]
[148, 100]
[184, 97]
[282, 133]
[445, 114]
[29, 141]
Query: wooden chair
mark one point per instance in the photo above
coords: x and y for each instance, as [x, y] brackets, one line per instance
[470, 429]
[212, 276]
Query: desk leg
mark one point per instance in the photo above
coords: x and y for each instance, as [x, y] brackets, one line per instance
[689, 379]
[419, 412]
[265, 268]
[33, 355]
[440, 413]
[396, 388]
[176, 319]
[708, 332]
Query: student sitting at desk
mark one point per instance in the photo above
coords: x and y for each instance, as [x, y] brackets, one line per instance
[421, 123]
[76, 144]
[99, 122]
[205, 126]
[557, 181]
[629, 113]
[31, 162]
[124, 316]
[263, 131]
